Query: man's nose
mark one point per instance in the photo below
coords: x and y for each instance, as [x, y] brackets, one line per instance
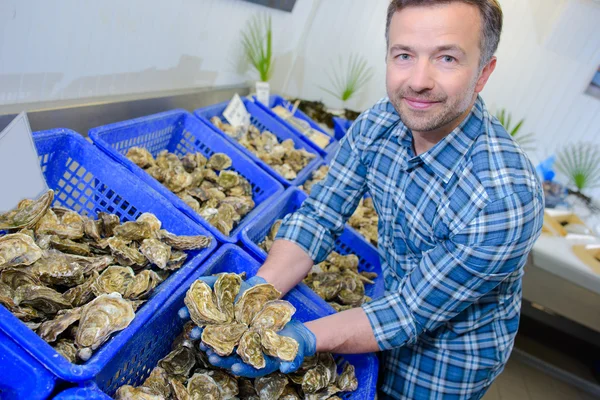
[421, 78]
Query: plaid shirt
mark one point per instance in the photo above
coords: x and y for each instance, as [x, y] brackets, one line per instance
[455, 227]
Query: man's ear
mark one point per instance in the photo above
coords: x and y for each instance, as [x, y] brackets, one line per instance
[485, 75]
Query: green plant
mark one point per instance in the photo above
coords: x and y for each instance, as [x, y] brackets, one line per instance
[580, 164]
[525, 140]
[257, 40]
[347, 78]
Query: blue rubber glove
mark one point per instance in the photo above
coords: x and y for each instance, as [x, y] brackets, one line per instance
[307, 346]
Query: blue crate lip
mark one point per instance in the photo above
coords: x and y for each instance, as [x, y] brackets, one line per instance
[340, 127]
[142, 352]
[262, 120]
[349, 241]
[93, 182]
[196, 136]
[275, 101]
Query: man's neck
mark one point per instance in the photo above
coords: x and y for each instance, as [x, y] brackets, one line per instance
[424, 141]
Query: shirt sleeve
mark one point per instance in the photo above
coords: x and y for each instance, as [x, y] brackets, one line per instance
[321, 219]
[459, 270]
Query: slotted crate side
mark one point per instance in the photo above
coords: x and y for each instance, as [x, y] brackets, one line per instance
[340, 127]
[275, 101]
[179, 132]
[136, 360]
[349, 241]
[263, 121]
[89, 391]
[87, 181]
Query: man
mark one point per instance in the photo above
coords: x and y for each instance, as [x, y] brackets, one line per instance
[459, 206]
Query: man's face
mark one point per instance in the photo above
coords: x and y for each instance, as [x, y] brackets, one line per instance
[433, 71]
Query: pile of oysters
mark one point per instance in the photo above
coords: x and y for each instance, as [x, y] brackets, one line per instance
[336, 280]
[74, 280]
[185, 372]
[283, 157]
[220, 196]
[364, 219]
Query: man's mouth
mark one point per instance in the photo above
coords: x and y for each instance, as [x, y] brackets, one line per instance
[419, 104]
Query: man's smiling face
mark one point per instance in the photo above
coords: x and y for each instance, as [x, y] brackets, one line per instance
[433, 64]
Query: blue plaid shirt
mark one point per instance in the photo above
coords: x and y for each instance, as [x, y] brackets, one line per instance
[455, 227]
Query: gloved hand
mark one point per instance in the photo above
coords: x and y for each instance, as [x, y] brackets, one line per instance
[184, 313]
[307, 346]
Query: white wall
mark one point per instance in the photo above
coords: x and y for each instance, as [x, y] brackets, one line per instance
[66, 49]
[549, 51]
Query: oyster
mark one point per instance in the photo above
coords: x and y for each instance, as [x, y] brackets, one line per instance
[18, 249]
[67, 349]
[176, 261]
[113, 279]
[282, 347]
[203, 387]
[179, 390]
[15, 277]
[6, 297]
[92, 229]
[151, 220]
[158, 382]
[289, 393]
[226, 289]
[246, 389]
[316, 379]
[50, 330]
[56, 269]
[202, 305]
[223, 338]
[109, 222]
[347, 381]
[271, 386]
[41, 298]
[27, 214]
[228, 180]
[124, 254]
[140, 156]
[156, 252]
[69, 246]
[179, 362]
[274, 315]
[191, 161]
[133, 230]
[184, 242]
[100, 318]
[71, 226]
[253, 300]
[227, 384]
[250, 349]
[142, 285]
[219, 162]
[128, 392]
[325, 394]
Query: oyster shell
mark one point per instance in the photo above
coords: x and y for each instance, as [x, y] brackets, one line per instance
[100, 318]
[246, 389]
[316, 379]
[82, 294]
[227, 384]
[133, 230]
[67, 349]
[347, 381]
[151, 220]
[179, 362]
[158, 382]
[250, 349]
[176, 261]
[69, 246]
[325, 394]
[41, 298]
[203, 387]
[202, 305]
[50, 330]
[223, 338]
[274, 315]
[27, 214]
[109, 222]
[18, 249]
[142, 285]
[92, 229]
[282, 347]
[219, 162]
[56, 269]
[15, 277]
[179, 390]
[289, 393]
[113, 279]
[128, 392]
[184, 242]
[124, 254]
[226, 289]
[253, 300]
[140, 156]
[6, 297]
[228, 180]
[271, 386]
[156, 252]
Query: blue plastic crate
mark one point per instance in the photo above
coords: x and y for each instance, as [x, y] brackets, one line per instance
[275, 101]
[179, 132]
[263, 121]
[349, 241]
[340, 127]
[88, 181]
[141, 354]
[89, 391]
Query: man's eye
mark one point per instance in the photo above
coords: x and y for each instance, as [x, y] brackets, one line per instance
[403, 57]
[448, 59]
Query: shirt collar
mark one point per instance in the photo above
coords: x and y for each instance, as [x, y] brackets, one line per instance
[446, 155]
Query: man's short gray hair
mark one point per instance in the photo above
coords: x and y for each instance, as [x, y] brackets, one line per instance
[491, 18]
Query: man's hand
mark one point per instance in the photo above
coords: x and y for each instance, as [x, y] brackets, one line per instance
[307, 346]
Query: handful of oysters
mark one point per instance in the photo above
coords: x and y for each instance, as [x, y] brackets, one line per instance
[76, 281]
[336, 280]
[251, 323]
[220, 196]
[283, 157]
[186, 373]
